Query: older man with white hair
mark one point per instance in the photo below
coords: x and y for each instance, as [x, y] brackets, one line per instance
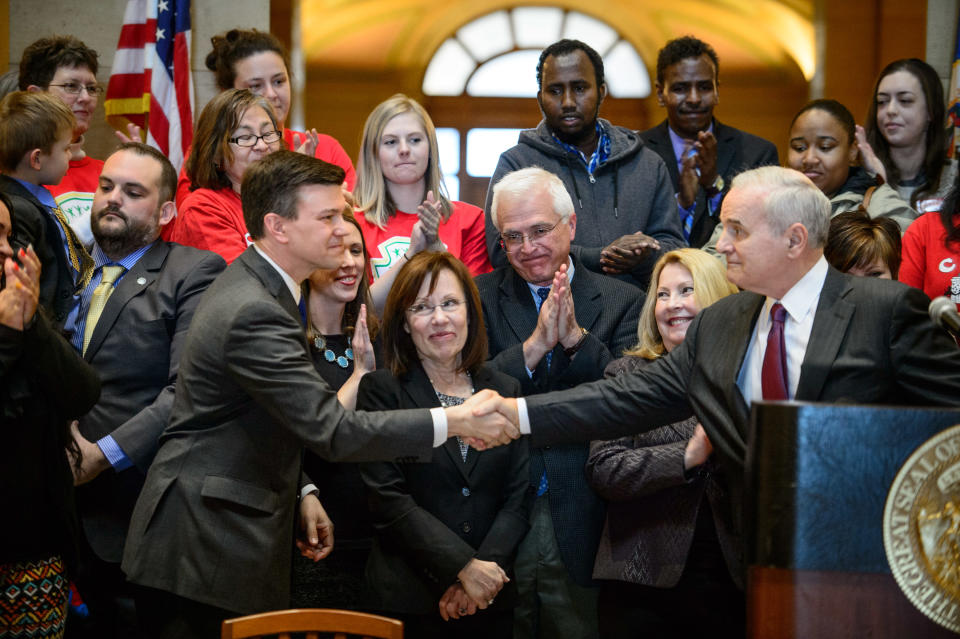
[801, 330]
[553, 324]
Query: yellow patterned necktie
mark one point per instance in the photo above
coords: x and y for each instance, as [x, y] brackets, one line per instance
[99, 300]
[79, 257]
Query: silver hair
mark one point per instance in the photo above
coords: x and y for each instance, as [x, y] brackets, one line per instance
[519, 183]
[789, 197]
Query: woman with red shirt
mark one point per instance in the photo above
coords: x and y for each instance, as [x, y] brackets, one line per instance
[402, 202]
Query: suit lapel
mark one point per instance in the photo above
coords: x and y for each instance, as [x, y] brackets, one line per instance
[517, 307]
[273, 283]
[738, 338]
[422, 393]
[829, 328]
[659, 141]
[132, 284]
[586, 297]
[726, 149]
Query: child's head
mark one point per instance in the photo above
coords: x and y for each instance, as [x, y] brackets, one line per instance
[35, 134]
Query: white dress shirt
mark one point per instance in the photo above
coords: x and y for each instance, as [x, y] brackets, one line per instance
[800, 303]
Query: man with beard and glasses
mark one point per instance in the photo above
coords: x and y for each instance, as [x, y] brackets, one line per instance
[622, 194]
[133, 319]
[702, 155]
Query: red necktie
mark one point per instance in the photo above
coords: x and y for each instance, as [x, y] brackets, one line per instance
[773, 375]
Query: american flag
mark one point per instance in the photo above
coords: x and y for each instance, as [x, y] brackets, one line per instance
[150, 83]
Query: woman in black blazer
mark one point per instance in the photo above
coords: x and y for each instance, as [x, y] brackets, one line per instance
[447, 531]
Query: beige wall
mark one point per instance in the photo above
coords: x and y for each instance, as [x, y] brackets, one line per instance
[98, 24]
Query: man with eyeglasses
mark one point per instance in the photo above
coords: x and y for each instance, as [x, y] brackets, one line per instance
[67, 68]
[553, 324]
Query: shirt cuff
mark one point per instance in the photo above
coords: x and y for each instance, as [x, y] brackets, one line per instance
[308, 489]
[439, 426]
[685, 211]
[114, 454]
[522, 416]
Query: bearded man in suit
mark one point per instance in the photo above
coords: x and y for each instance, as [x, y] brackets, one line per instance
[801, 330]
[211, 532]
[133, 340]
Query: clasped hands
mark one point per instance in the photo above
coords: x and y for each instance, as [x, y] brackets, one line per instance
[478, 583]
[557, 322]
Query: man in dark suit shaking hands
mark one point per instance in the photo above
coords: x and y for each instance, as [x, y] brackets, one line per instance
[132, 323]
[801, 330]
[211, 533]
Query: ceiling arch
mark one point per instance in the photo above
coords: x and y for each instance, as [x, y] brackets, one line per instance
[762, 35]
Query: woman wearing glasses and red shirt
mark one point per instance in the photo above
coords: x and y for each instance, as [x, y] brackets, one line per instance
[235, 129]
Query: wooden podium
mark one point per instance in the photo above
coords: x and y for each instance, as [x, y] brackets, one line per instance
[816, 487]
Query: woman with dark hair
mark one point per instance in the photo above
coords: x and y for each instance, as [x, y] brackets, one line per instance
[401, 199]
[256, 60]
[446, 531]
[864, 246]
[235, 129]
[906, 132]
[43, 385]
[823, 146]
[669, 552]
[340, 330]
[931, 250]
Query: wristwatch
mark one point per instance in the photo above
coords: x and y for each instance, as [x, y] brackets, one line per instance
[570, 352]
[716, 187]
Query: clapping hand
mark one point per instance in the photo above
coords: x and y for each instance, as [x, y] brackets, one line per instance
[364, 359]
[306, 142]
[133, 134]
[624, 254]
[21, 294]
[429, 213]
[871, 163]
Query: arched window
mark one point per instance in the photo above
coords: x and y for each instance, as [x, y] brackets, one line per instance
[494, 57]
[496, 54]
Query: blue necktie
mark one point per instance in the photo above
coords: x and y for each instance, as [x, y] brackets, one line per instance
[543, 292]
[302, 307]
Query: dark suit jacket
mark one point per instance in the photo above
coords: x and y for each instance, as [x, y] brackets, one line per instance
[737, 151]
[871, 343]
[432, 519]
[135, 348]
[215, 519]
[654, 507]
[33, 224]
[609, 309]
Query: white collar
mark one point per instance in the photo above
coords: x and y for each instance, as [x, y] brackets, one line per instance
[291, 283]
[803, 296]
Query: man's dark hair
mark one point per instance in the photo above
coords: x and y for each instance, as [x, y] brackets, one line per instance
[682, 48]
[566, 46]
[167, 184]
[272, 184]
[40, 60]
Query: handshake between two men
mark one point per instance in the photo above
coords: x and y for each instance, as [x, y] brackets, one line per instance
[485, 420]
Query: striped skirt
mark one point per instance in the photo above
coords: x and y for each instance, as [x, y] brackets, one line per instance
[33, 599]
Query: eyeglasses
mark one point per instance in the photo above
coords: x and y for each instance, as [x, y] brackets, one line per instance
[74, 88]
[513, 241]
[250, 139]
[426, 310]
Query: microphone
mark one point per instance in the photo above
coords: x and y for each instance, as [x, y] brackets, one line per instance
[944, 314]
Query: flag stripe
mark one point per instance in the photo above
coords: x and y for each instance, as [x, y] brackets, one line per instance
[151, 74]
